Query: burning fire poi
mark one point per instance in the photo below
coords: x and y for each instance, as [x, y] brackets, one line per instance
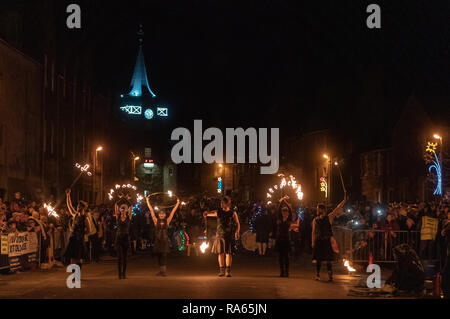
[347, 264]
[204, 246]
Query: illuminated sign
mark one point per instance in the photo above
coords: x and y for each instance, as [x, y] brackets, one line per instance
[436, 166]
[324, 186]
[148, 163]
[162, 111]
[219, 185]
[132, 109]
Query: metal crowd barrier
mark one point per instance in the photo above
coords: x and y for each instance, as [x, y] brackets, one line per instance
[359, 245]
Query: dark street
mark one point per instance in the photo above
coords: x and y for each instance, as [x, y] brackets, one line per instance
[188, 277]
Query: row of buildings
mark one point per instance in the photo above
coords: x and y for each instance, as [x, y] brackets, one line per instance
[52, 120]
[53, 117]
[395, 169]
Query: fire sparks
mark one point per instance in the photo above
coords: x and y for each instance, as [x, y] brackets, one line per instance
[347, 264]
[286, 182]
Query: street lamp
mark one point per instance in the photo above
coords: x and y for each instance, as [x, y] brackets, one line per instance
[135, 159]
[98, 149]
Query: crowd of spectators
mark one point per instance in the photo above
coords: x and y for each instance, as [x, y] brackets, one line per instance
[368, 222]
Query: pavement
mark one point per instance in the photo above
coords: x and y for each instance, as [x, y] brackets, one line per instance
[192, 277]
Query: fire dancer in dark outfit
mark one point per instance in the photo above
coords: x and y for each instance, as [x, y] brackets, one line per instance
[161, 239]
[224, 236]
[123, 212]
[321, 237]
[78, 224]
[283, 243]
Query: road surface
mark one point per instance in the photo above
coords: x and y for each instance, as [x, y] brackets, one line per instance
[188, 277]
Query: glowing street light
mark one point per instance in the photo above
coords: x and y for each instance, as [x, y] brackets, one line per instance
[133, 164]
[325, 156]
[436, 136]
[98, 149]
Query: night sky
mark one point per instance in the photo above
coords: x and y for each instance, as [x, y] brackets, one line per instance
[299, 65]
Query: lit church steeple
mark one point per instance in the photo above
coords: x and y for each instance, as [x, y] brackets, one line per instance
[139, 81]
[141, 102]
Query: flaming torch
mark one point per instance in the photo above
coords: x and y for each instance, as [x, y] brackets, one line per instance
[51, 210]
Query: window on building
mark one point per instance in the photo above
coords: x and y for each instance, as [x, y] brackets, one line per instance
[1, 133]
[45, 70]
[53, 76]
[52, 138]
[379, 164]
[64, 142]
[64, 82]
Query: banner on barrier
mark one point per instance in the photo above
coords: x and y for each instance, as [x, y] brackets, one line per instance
[4, 244]
[21, 243]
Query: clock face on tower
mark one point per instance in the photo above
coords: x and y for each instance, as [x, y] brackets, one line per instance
[148, 114]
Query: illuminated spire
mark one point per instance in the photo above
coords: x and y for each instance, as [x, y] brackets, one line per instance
[139, 79]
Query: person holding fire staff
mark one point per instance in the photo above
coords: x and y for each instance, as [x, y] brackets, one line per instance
[224, 237]
[78, 228]
[322, 236]
[283, 243]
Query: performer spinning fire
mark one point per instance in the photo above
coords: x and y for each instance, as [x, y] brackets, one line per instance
[282, 235]
[322, 234]
[161, 238]
[78, 224]
[123, 212]
[224, 236]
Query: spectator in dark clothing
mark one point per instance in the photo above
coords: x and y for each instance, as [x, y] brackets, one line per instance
[263, 228]
[194, 230]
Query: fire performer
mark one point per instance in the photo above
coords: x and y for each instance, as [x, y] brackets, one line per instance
[283, 243]
[123, 212]
[78, 224]
[224, 236]
[161, 237]
[321, 237]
